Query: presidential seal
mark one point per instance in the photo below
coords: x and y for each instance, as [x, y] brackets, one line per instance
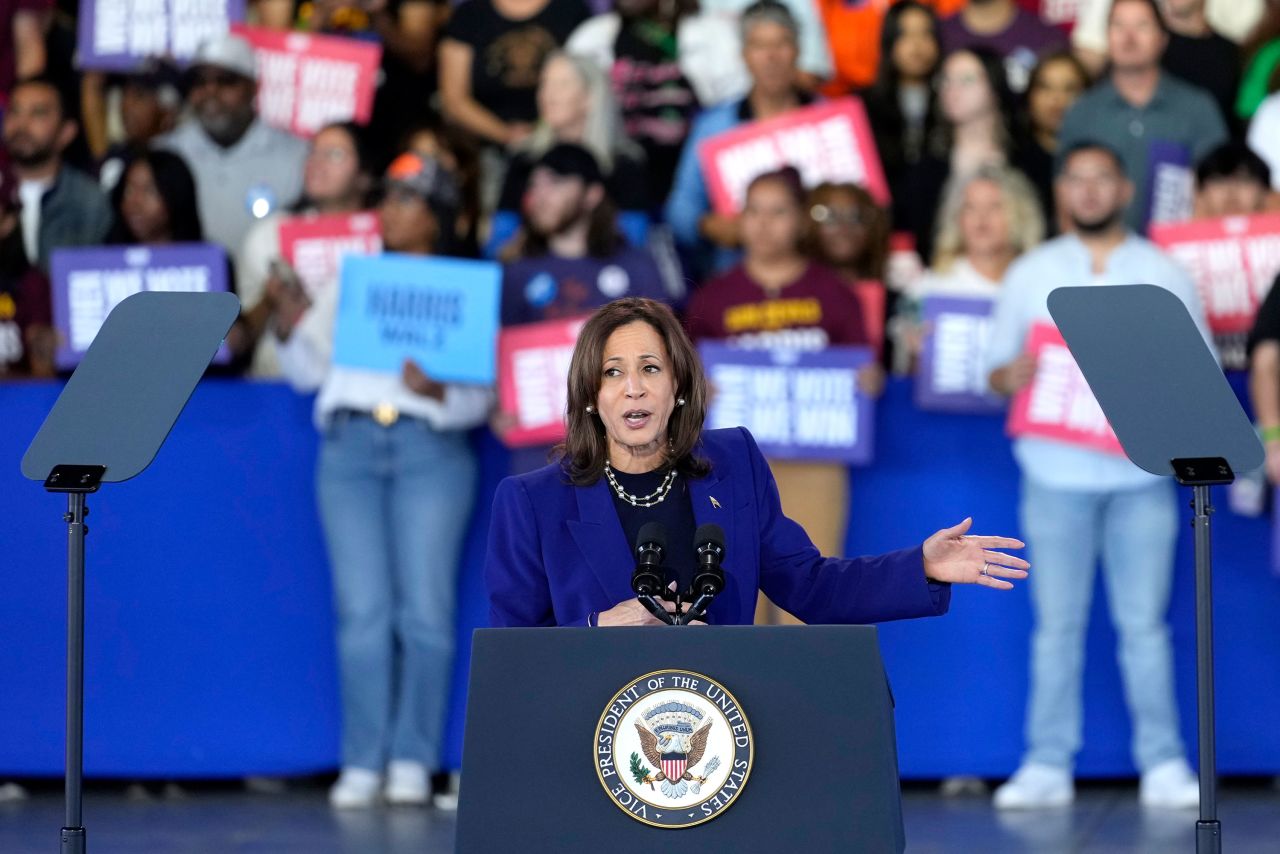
[673, 749]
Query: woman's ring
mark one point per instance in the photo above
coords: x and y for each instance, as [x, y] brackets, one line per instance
[985, 565]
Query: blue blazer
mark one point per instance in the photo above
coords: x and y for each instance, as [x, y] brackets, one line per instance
[557, 552]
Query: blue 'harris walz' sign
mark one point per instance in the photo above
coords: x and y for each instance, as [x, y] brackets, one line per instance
[440, 312]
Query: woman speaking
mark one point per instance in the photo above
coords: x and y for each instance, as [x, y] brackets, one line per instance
[561, 538]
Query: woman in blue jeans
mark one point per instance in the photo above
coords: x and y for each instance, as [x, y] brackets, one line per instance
[395, 482]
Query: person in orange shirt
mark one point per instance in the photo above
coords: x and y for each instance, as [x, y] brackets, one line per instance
[853, 30]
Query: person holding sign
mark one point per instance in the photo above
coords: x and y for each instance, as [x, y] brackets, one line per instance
[568, 259]
[395, 483]
[336, 179]
[769, 49]
[1079, 503]
[560, 543]
[779, 299]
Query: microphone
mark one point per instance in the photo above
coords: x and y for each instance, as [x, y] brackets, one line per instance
[647, 579]
[651, 549]
[708, 545]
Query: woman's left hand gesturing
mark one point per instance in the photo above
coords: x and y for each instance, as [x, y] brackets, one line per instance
[952, 556]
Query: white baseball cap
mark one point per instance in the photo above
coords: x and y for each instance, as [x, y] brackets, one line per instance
[229, 52]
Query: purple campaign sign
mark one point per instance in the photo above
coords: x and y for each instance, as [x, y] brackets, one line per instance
[1170, 183]
[797, 405]
[950, 376]
[88, 283]
[117, 35]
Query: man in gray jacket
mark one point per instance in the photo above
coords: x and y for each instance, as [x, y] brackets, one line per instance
[60, 205]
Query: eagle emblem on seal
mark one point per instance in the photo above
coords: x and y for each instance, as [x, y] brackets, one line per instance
[673, 739]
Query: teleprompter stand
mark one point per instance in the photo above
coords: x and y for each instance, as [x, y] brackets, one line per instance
[107, 426]
[1175, 414]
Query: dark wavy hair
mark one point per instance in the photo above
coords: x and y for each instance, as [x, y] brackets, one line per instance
[585, 449]
[176, 186]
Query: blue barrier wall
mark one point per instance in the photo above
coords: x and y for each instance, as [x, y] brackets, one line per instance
[209, 645]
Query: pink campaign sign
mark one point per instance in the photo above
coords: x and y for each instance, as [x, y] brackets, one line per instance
[533, 372]
[314, 246]
[829, 141]
[1058, 403]
[1233, 261]
[306, 82]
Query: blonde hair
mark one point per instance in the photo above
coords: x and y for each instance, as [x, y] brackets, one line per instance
[1022, 210]
[603, 135]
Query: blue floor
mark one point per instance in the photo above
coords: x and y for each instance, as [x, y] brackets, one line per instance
[225, 820]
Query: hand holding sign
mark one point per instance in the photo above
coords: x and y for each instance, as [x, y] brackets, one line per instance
[416, 380]
[1058, 403]
[1012, 378]
[829, 141]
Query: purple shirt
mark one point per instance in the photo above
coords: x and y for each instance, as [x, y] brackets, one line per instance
[1021, 43]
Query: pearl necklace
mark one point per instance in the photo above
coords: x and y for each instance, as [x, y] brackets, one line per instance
[656, 497]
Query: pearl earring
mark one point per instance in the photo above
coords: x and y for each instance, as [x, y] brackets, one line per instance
[679, 401]
[590, 409]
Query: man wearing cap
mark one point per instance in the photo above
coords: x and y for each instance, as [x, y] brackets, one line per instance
[569, 256]
[60, 205]
[244, 169]
[395, 483]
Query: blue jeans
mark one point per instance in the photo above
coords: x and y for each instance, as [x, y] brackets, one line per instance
[394, 502]
[1135, 532]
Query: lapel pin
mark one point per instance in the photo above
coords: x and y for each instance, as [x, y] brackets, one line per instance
[714, 503]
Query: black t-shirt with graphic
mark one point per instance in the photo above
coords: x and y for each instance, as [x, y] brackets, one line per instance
[507, 55]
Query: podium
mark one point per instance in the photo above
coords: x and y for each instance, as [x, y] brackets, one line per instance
[816, 729]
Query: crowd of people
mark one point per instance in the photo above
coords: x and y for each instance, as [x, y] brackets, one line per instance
[562, 141]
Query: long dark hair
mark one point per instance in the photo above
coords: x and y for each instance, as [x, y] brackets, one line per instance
[1005, 106]
[887, 119]
[585, 448]
[177, 189]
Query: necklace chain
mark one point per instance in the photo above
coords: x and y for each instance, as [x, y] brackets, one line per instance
[656, 497]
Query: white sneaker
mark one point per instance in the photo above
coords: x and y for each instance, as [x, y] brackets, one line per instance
[1170, 785]
[356, 788]
[407, 783]
[447, 800]
[1036, 786]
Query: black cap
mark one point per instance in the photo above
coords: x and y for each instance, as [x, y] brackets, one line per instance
[571, 161]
